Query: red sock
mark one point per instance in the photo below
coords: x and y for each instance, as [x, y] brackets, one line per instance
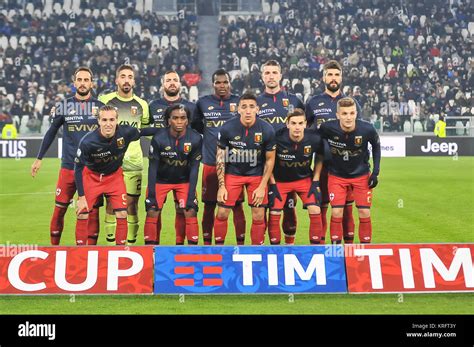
[220, 230]
[151, 230]
[192, 230]
[274, 231]
[315, 229]
[180, 228]
[157, 234]
[239, 223]
[93, 227]
[81, 232]
[289, 221]
[324, 222]
[336, 230]
[257, 232]
[348, 225]
[57, 224]
[121, 231]
[365, 230]
[208, 223]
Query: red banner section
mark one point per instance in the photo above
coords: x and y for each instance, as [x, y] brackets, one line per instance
[410, 268]
[78, 270]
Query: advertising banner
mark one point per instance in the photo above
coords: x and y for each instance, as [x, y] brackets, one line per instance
[410, 268]
[439, 147]
[78, 270]
[250, 269]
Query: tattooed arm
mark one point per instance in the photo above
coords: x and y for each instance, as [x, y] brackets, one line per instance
[220, 168]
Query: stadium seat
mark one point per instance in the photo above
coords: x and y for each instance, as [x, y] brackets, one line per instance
[76, 6]
[155, 41]
[11, 98]
[307, 85]
[407, 127]
[57, 8]
[45, 125]
[193, 93]
[23, 121]
[108, 42]
[1, 67]
[232, 18]
[39, 105]
[137, 28]
[139, 6]
[174, 41]
[422, 20]
[95, 13]
[266, 8]
[128, 28]
[470, 27]
[14, 42]
[165, 41]
[275, 7]
[104, 12]
[459, 128]
[99, 42]
[417, 127]
[37, 13]
[244, 66]
[3, 42]
[16, 120]
[71, 25]
[87, 12]
[30, 8]
[148, 6]
[101, 25]
[67, 6]
[11, 14]
[464, 33]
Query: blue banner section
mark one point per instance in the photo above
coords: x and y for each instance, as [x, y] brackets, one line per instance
[250, 269]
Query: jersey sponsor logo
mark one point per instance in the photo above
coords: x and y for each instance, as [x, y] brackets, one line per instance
[175, 162]
[331, 196]
[214, 123]
[58, 191]
[134, 110]
[258, 137]
[95, 111]
[295, 164]
[81, 127]
[307, 150]
[285, 102]
[187, 147]
[358, 140]
[275, 120]
[233, 107]
[120, 142]
[132, 124]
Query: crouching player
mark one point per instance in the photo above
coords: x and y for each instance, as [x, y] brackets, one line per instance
[296, 146]
[98, 171]
[245, 158]
[175, 154]
[349, 167]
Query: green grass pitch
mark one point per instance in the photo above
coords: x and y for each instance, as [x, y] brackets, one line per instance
[418, 199]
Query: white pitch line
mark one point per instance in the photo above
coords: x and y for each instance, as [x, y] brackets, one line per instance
[37, 193]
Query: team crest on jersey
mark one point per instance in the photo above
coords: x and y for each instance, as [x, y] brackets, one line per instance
[95, 111]
[358, 140]
[134, 110]
[210, 108]
[187, 147]
[120, 142]
[258, 137]
[285, 102]
[233, 107]
[307, 149]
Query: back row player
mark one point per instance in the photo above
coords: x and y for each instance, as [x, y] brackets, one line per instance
[319, 109]
[77, 116]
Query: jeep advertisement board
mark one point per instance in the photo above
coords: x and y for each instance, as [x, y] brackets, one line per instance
[439, 147]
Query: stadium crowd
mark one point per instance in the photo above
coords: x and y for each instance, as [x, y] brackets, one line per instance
[399, 62]
[44, 45]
